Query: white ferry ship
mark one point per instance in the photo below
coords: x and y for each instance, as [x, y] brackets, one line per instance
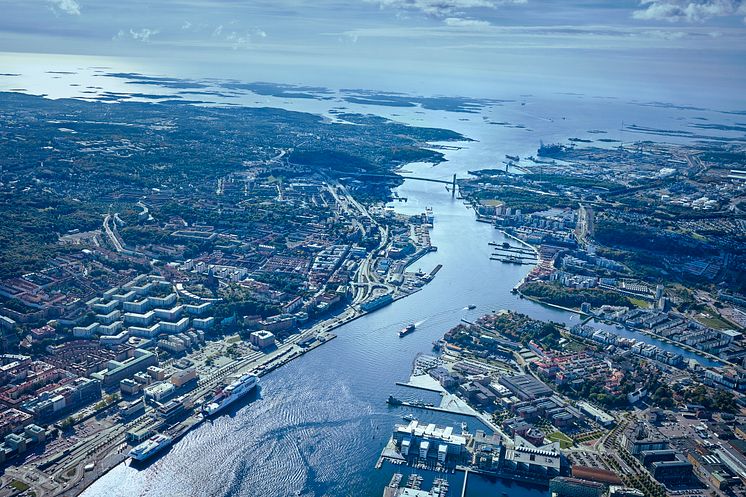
[231, 393]
[151, 447]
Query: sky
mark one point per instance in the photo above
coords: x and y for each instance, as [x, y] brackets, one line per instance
[686, 50]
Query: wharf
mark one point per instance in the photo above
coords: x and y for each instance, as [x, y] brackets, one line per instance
[514, 262]
[512, 253]
[512, 248]
[419, 387]
[509, 475]
[429, 407]
[524, 243]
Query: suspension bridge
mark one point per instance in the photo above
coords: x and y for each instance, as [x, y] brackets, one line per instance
[450, 182]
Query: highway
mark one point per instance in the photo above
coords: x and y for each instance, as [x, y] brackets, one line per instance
[113, 238]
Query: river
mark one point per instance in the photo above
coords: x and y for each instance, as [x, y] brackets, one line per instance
[318, 424]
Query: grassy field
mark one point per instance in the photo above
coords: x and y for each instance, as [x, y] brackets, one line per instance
[642, 304]
[19, 485]
[564, 440]
[713, 322]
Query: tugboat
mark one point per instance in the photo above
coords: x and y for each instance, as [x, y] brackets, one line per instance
[407, 330]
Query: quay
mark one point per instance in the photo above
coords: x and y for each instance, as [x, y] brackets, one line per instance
[510, 248]
[419, 387]
[430, 407]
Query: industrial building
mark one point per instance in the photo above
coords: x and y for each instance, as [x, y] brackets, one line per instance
[525, 387]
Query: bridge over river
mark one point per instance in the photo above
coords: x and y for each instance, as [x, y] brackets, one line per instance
[451, 182]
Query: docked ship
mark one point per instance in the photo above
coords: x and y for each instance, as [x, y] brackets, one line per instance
[151, 447]
[407, 330]
[377, 303]
[429, 217]
[512, 259]
[230, 394]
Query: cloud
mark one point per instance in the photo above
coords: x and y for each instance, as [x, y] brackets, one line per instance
[143, 35]
[242, 39]
[465, 23]
[445, 8]
[688, 10]
[67, 6]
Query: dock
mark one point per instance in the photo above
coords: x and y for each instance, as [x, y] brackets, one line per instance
[430, 407]
[466, 478]
[515, 262]
[511, 248]
[420, 387]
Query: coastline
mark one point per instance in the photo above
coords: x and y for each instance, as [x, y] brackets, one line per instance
[548, 304]
[587, 316]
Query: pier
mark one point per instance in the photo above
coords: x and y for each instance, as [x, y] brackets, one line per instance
[431, 407]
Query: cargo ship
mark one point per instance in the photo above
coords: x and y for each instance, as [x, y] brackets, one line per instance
[407, 330]
[151, 447]
[230, 394]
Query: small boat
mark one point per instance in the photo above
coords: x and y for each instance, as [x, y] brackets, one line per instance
[471, 306]
[408, 417]
[464, 427]
[407, 329]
